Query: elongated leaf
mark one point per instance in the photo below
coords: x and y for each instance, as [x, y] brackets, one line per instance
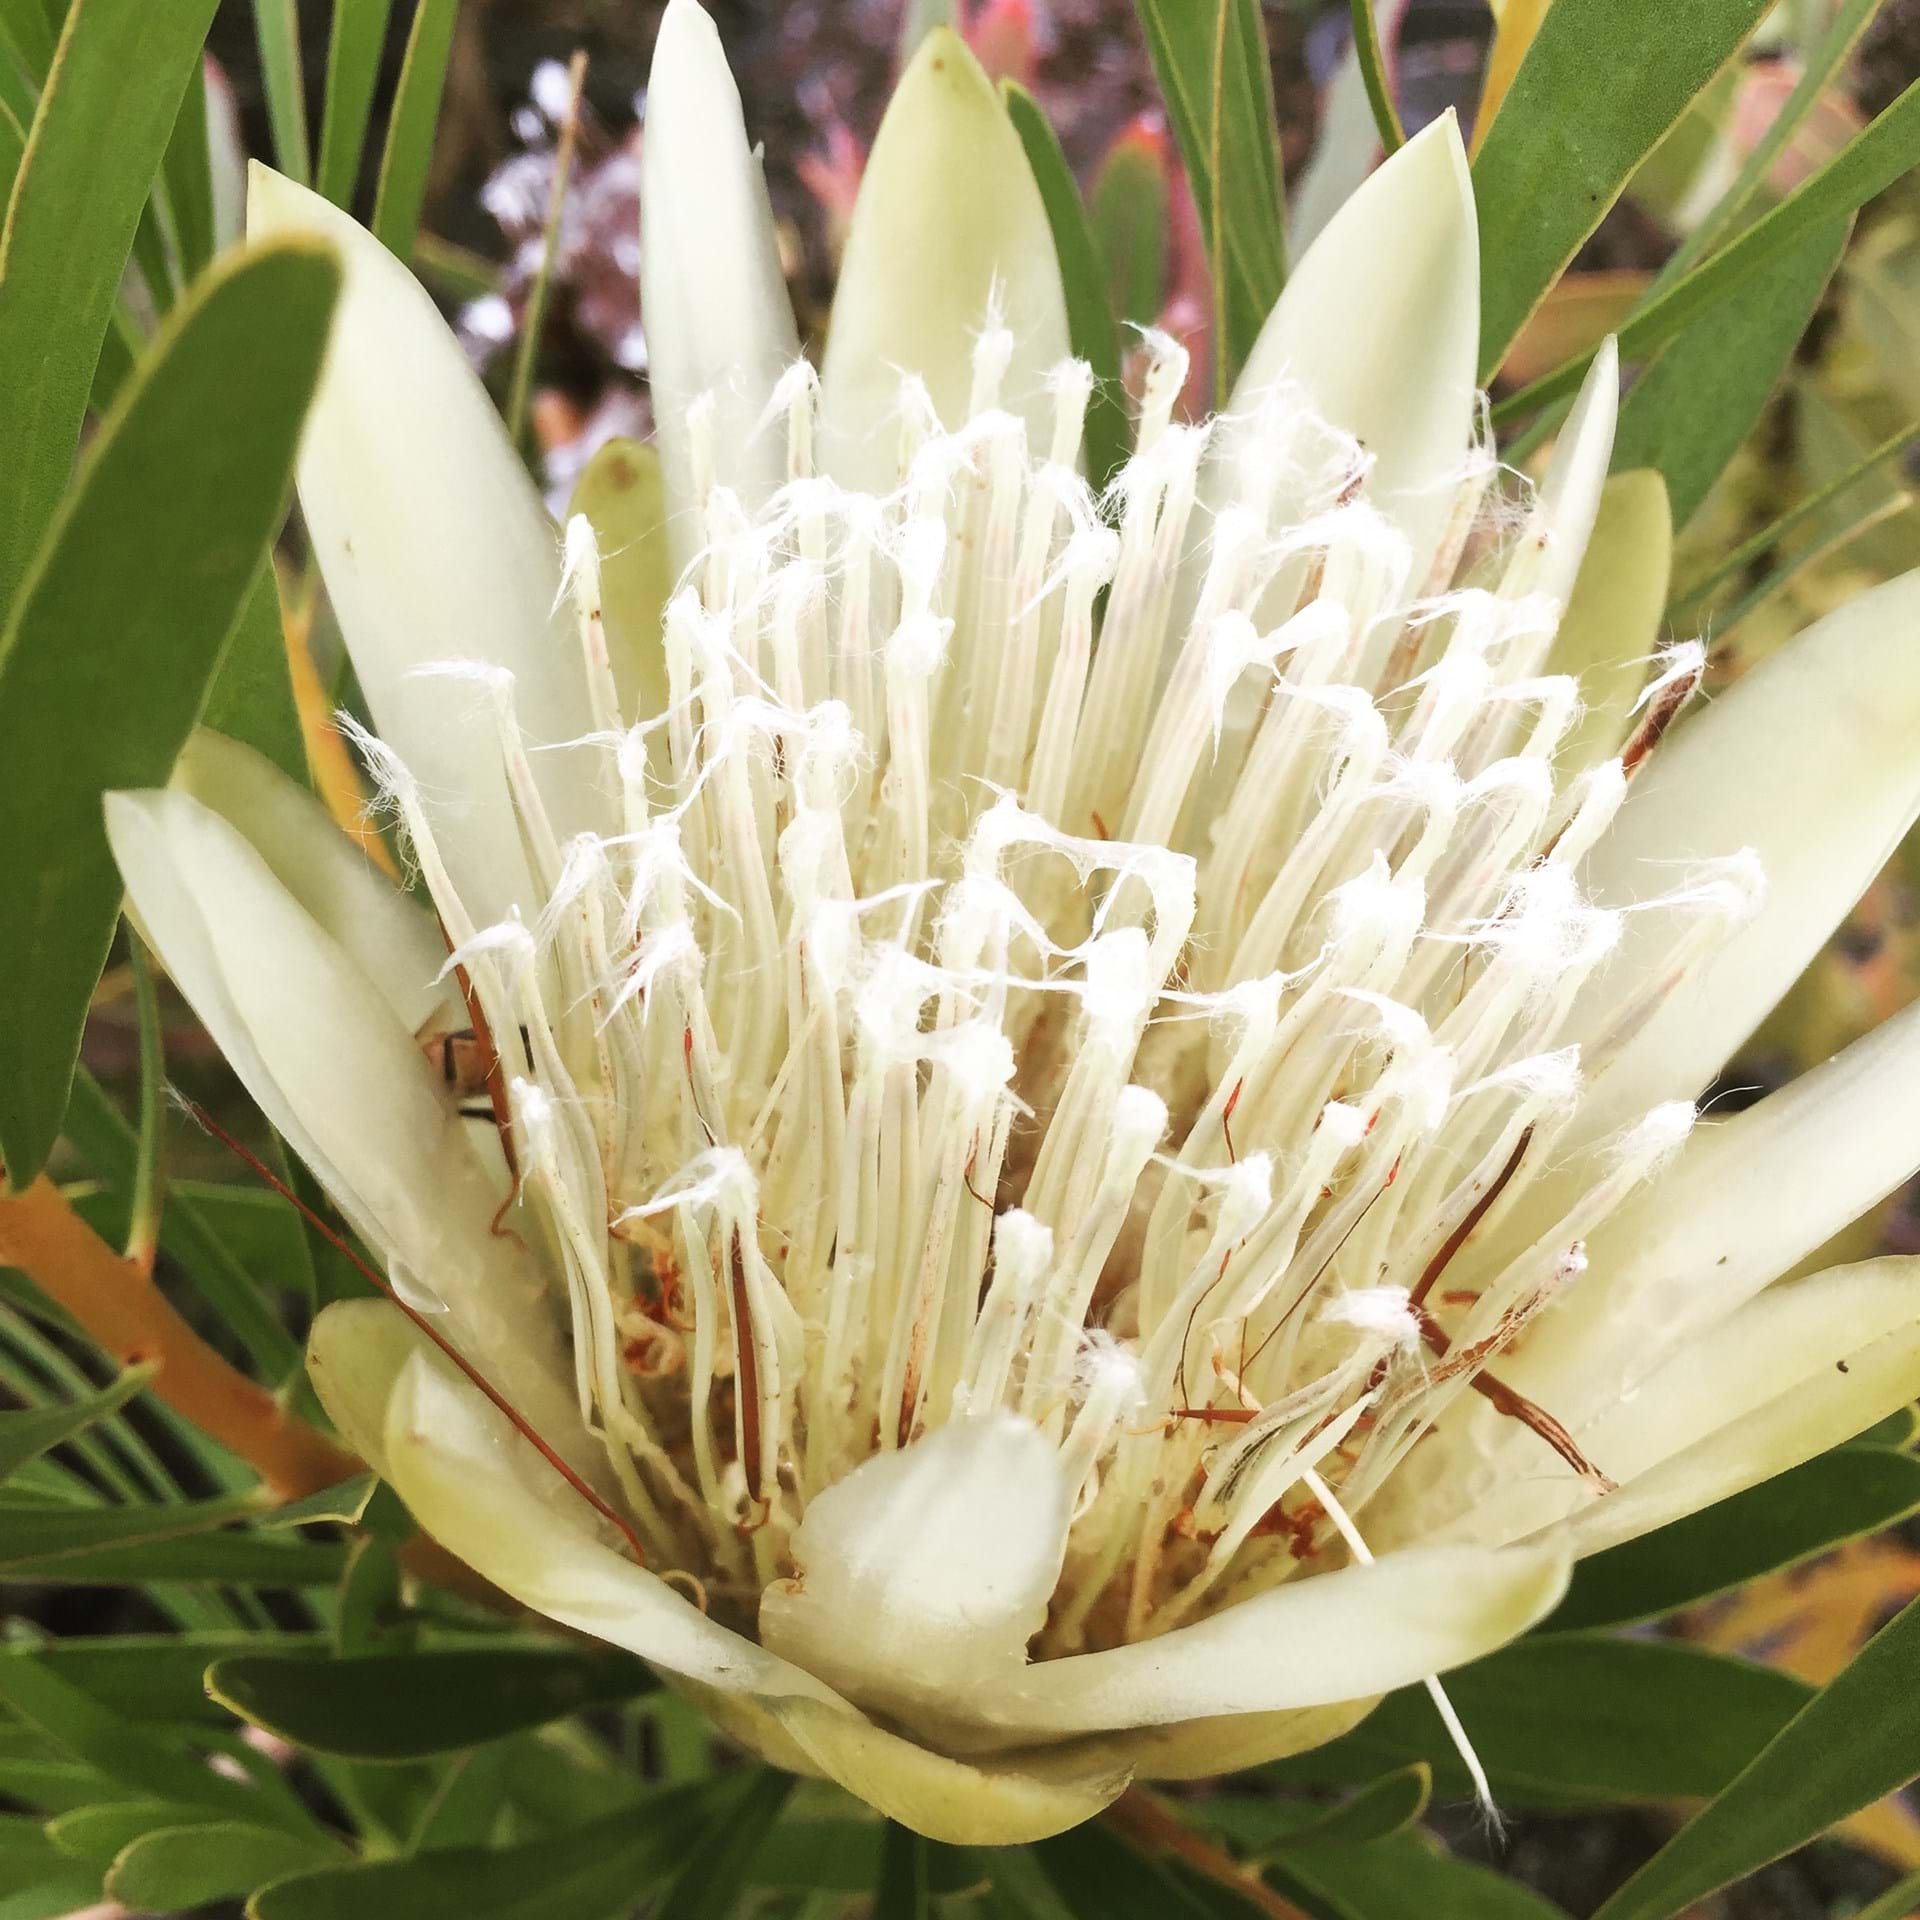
[99, 1833]
[343, 1505]
[31, 1534]
[95, 1126]
[1805, 1511]
[276, 25]
[1576, 1718]
[1129, 215]
[707, 1886]
[353, 67]
[1210, 58]
[53, 1897]
[603, 1868]
[1597, 90]
[405, 1706]
[1372, 59]
[1897, 1903]
[153, 1676]
[1866, 166]
[28, 1434]
[410, 128]
[903, 1890]
[1267, 1829]
[70, 224]
[1406, 1877]
[187, 172]
[99, 1739]
[234, 1559]
[1689, 411]
[175, 1868]
[1090, 323]
[116, 633]
[252, 695]
[1853, 1742]
[1097, 1876]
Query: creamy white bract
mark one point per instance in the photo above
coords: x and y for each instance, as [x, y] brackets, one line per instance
[1097, 1155]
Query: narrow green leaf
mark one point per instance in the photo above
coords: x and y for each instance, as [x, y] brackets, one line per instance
[1098, 1876]
[13, 147]
[1867, 165]
[1210, 58]
[187, 174]
[1689, 411]
[342, 1505]
[404, 1706]
[1090, 325]
[176, 1868]
[1406, 1877]
[1819, 65]
[903, 1890]
[32, 1534]
[1597, 91]
[110, 646]
[99, 1738]
[596, 1871]
[233, 1559]
[411, 126]
[28, 1434]
[69, 228]
[27, 32]
[1897, 1903]
[1381, 1807]
[1373, 73]
[276, 25]
[353, 68]
[53, 1898]
[153, 1676]
[1857, 521]
[95, 1126]
[1802, 1512]
[1769, 537]
[1570, 1719]
[251, 698]
[706, 1887]
[1855, 1741]
[99, 1833]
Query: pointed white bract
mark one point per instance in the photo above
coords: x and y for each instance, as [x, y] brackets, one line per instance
[1081, 1138]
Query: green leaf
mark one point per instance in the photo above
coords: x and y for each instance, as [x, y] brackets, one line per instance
[1571, 1719]
[1689, 411]
[152, 1676]
[1405, 1877]
[27, 1435]
[1867, 165]
[252, 695]
[180, 1867]
[69, 228]
[276, 25]
[1597, 91]
[847, 1855]
[1373, 75]
[99, 1833]
[353, 69]
[115, 635]
[1800, 1513]
[1382, 1807]
[31, 1535]
[411, 125]
[343, 1504]
[1897, 1903]
[593, 1872]
[1090, 325]
[54, 1897]
[1854, 1742]
[234, 1559]
[100, 1739]
[403, 1706]
[1210, 58]
[903, 1890]
[95, 1126]
[706, 1887]
[187, 173]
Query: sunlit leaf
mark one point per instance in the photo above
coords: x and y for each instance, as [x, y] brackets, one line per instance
[1853, 1742]
[111, 644]
[175, 1868]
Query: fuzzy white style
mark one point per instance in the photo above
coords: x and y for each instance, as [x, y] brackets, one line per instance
[1100, 1091]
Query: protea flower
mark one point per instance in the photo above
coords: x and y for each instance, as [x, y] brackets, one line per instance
[1083, 1153]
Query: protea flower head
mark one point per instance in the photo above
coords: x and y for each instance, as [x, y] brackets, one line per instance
[1084, 1155]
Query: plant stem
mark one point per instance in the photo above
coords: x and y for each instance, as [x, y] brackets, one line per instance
[1154, 1828]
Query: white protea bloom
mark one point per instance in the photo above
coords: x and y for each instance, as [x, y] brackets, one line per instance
[1094, 1161]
